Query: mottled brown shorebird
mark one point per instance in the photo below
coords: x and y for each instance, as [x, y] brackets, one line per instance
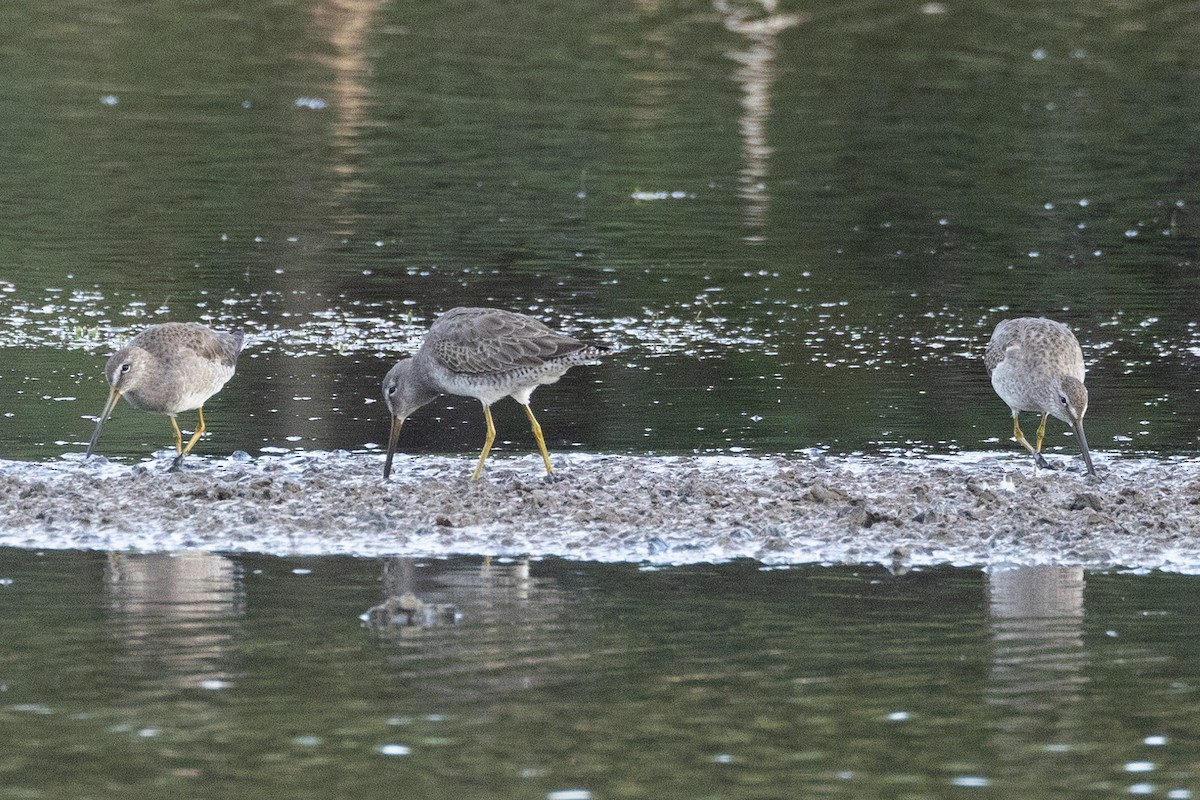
[170, 368]
[487, 354]
[1036, 365]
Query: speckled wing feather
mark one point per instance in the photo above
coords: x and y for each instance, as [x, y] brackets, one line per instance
[210, 345]
[479, 341]
[213, 346]
[1038, 343]
[225, 347]
[997, 346]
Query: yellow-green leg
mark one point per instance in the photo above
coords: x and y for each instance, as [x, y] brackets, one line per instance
[178, 436]
[1020, 436]
[487, 444]
[196, 434]
[541, 442]
[1039, 460]
[1041, 432]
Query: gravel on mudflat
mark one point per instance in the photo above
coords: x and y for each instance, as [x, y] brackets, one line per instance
[983, 509]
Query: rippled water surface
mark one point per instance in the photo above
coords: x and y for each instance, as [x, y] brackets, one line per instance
[150, 675]
[798, 225]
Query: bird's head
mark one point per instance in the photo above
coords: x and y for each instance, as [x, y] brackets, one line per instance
[404, 392]
[1070, 408]
[1072, 400]
[400, 391]
[126, 368]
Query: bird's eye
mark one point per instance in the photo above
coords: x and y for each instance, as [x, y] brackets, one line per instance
[125, 367]
[1063, 399]
[392, 389]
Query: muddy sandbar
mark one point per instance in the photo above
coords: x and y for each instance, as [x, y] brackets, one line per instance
[985, 509]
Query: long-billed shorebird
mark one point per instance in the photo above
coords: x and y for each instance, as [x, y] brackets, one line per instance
[169, 368]
[487, 354]
[1036, 365]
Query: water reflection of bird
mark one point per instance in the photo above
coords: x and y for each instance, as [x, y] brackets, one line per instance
[1036, 365]
[487, 354]
[407, 610]
[167, 369]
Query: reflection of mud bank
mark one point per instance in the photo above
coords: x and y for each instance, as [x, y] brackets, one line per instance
[684, 509]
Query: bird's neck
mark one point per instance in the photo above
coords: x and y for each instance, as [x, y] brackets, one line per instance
[419, 379]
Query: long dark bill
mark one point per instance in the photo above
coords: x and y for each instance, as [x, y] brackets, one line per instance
[113, 397]
[1077, 426]
[393, 437]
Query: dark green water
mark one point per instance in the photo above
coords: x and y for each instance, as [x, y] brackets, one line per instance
[801, 226]
[203, 675]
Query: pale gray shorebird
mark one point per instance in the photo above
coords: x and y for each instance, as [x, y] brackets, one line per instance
[1036, 365]
[169, 368]
[488, 354]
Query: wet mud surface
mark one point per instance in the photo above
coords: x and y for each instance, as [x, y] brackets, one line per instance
[989, 509]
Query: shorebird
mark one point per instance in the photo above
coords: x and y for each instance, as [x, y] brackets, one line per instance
[1036, 365]
[488, 354]
[167, 369]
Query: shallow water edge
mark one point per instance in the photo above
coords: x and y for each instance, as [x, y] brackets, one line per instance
[983, 510]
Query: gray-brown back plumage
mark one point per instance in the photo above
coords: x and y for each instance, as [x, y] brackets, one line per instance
[481, 352]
